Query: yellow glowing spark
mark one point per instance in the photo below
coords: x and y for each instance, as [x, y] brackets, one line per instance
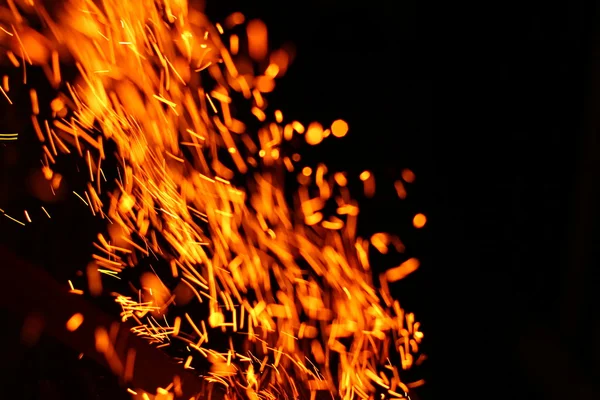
[9, 136]
[5, 31]
[11, 218]
[46, 212]
[5, 95]
[314, 133]
[81, 198]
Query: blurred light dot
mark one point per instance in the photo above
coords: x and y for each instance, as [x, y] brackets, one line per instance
[256, 31]
[74, 322]
[278, 116]
[365, 175]
[419, 220]
[339, 128]
[314, 134]
[408, 175]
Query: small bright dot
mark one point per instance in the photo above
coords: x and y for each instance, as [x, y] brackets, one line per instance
[339, 128]
[419, 220]
[74, 322]
[306, 171]
[231, 150]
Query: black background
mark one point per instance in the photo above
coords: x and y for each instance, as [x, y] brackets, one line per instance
[494, 108]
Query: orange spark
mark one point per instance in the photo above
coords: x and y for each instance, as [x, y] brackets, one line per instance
[401, 271]
[339, 128]
[408, 175]
[419, 220]
[74, 322]
[257, 39]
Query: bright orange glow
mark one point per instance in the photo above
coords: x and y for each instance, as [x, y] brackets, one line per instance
[314, 133]
[257, 39]
[34, 101]
[234, 44]
[408, 175]
[33, 45]
[102, 340]
[281, 59]
[278, 116]
[74, 322]
[380, 241]
[264, 84]
[419, 220]
[237, 18]
[339, 128]
[407, 267]
[340, 179]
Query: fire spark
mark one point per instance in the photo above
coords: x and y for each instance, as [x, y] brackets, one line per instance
[198, 210]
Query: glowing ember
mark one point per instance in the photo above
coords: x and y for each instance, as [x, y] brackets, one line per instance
[199, 208]
[74, 322]
[419, 220]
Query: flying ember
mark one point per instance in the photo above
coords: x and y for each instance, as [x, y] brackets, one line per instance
[263, 294]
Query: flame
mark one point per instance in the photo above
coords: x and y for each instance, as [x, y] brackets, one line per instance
[200, 194]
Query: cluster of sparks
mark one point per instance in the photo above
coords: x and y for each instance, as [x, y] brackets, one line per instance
[200, 195]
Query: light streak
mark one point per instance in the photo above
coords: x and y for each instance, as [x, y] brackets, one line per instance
[9, 136]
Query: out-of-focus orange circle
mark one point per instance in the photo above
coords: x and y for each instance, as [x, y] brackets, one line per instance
[339, 128]
[419, 220]
[314, 133]
[408, 175]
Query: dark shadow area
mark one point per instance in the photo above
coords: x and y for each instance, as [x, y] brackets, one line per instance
[520, 216]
